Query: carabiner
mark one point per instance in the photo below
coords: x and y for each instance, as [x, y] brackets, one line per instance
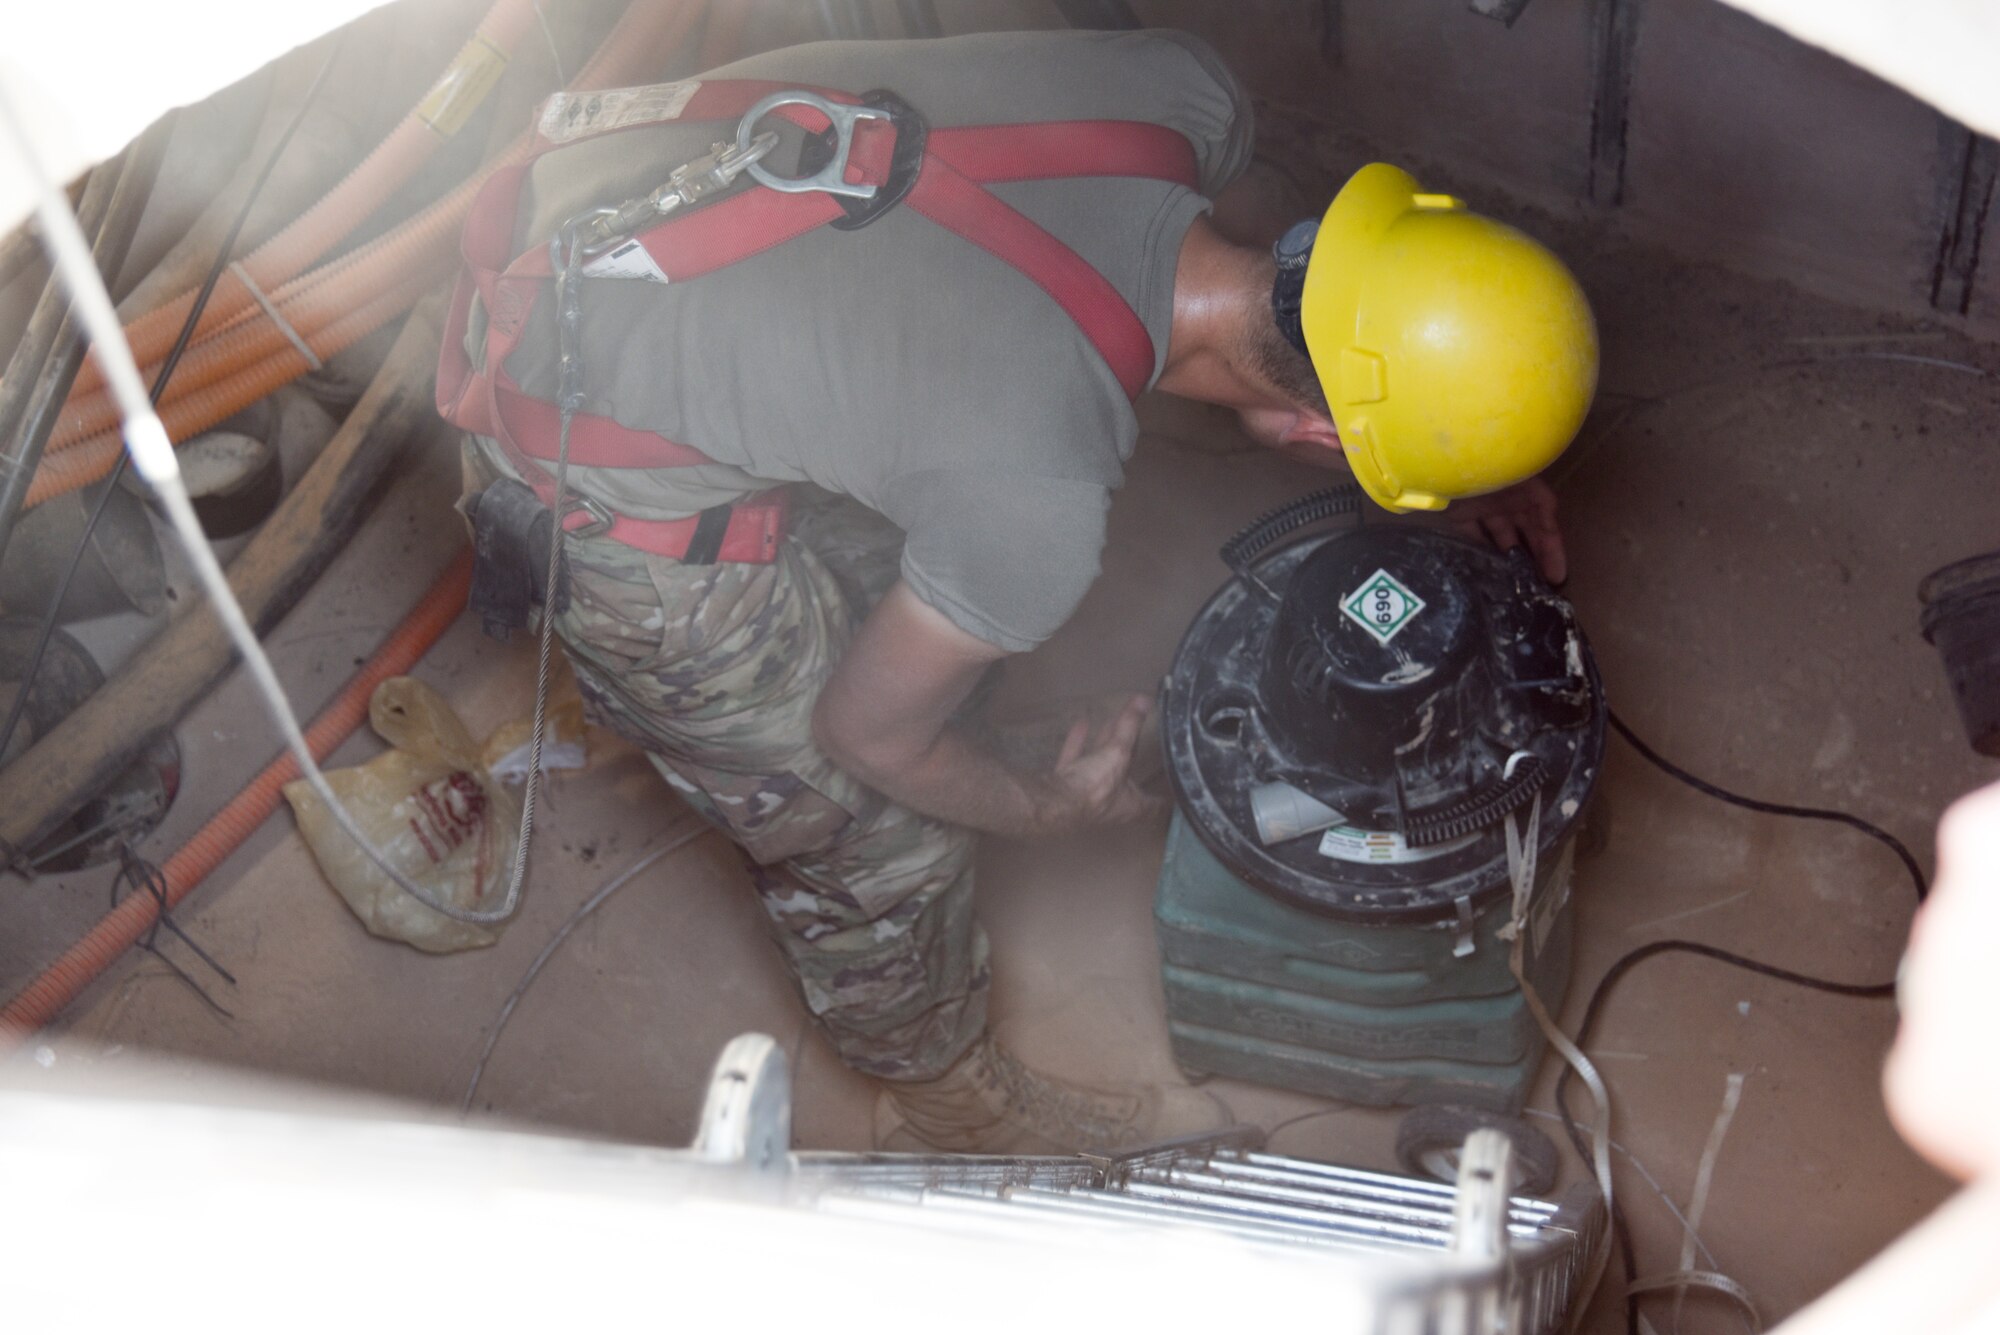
[582, 236]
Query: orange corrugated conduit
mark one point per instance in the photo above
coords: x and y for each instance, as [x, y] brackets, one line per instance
[59, 984]
[249, 370]
[83, 463]
[452, 97]
[254, 357]
[401, 271]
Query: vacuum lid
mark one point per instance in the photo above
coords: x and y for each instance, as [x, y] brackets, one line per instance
[1409, 686]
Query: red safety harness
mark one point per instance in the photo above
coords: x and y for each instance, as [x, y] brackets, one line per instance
[950, 189]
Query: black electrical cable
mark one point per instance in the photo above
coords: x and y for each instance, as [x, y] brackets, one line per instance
[1620, 1230]
[1875, 832]
[1631, 959]
[222, 257]
[1635, 957]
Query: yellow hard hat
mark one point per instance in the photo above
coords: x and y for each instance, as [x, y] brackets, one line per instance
[1458, 355]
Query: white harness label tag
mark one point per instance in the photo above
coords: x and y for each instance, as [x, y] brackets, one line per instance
[630, 260]
[1382, 606]
[568, 116]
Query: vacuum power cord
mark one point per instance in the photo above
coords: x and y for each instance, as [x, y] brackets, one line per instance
[1722, 794]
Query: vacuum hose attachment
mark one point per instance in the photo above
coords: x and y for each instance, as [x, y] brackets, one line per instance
[1342, 498]
[1470, 815]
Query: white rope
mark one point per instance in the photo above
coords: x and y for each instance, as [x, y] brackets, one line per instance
[1732, 1095]
[152, 452]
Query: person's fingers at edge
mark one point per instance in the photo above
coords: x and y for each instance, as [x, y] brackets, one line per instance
[1547, 547]
[1501, 531]
[1073, 743]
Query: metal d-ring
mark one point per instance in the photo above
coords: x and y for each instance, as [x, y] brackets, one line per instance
[831, 177]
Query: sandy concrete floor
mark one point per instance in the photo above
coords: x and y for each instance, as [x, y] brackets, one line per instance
[1749, 514]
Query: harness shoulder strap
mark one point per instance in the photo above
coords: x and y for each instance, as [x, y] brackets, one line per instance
[951, 190]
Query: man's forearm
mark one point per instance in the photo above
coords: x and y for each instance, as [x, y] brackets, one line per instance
[963, 778]
[887, 717]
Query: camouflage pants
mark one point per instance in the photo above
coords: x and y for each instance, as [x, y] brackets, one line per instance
[715, 670]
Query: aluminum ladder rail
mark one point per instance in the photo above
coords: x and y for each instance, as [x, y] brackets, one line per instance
[1463, 1259]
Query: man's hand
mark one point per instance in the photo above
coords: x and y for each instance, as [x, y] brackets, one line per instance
[886, 717]
[1091, 780]
[1524, 512]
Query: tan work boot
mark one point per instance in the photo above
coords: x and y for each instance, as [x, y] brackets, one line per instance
[990, 1102]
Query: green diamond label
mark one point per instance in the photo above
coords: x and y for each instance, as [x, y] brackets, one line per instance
[1382, 605]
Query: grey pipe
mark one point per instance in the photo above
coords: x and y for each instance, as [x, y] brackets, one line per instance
[33, 393]
[46, 784]
[21, 385]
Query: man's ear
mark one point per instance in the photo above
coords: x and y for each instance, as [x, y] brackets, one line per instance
[1313, 429]
[1292, 430]
[1296, 434]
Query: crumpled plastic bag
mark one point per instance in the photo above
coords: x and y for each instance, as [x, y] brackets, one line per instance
[506, 751]
[432, 807]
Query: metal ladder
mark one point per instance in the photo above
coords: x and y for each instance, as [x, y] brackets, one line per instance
[1464, 1259]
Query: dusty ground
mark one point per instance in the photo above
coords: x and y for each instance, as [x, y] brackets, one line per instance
[1749, 514]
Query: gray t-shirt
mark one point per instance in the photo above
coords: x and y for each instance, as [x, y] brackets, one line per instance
[899, 364]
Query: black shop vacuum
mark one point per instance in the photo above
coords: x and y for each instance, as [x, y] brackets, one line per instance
[1352, 723]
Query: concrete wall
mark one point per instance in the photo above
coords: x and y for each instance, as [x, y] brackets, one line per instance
[1774, 157]
[1508, 108]
[1683, 122]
